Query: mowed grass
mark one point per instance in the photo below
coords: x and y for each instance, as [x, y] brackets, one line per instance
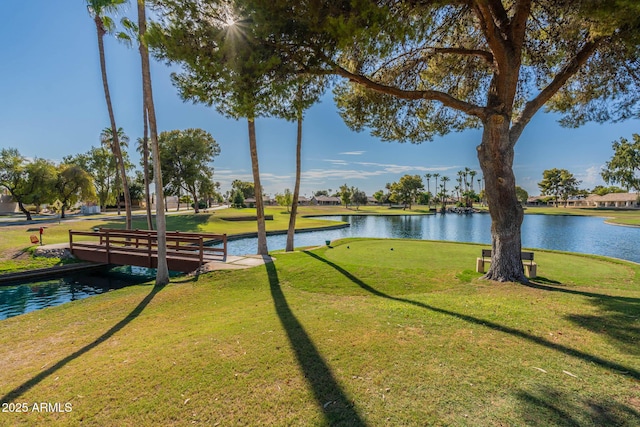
[356, 334]
[630, 217]
[14, 239]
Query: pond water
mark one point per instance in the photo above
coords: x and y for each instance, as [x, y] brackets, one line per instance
[27, 297]
[567, 233]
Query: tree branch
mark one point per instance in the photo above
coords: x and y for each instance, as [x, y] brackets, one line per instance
[487, 56]
[519, 23]
[570, 69]
[433, 95]
[491, 32]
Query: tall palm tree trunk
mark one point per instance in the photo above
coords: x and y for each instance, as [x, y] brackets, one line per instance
[162, 275]
[262, 231]
[296, 188]
[145, 161]
[117, 152]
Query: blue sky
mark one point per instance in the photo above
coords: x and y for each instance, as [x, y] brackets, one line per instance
[52, 105]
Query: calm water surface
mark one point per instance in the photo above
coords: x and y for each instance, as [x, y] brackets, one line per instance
[567, 233]
[24, 298]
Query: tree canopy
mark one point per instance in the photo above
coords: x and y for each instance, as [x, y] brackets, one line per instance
[624, 166]
[559, 183]
[185, 157]
[414, 70]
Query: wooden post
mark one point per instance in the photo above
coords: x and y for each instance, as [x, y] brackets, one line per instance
[108, 246]
[149, 250]
[201, 250]
[70, 242]
[224, 246]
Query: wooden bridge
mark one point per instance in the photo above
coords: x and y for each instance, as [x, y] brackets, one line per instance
[185, 251]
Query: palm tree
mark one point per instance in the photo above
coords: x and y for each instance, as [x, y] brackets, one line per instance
[436, 176]
[98, 10]
[445, 179]
[296, 188]
[143, 148]
[428, 176]
[162, 272]
[472, 174]
[107, 140]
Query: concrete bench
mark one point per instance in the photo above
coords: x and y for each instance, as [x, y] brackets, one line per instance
[530, 267]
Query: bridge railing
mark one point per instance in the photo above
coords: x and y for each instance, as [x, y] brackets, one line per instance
[144, 243]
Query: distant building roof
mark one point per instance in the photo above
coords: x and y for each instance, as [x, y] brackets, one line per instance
[615, 197]
[327, 199]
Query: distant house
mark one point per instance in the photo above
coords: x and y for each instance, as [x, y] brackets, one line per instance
[326, 201]
[614, 200]
[537, 201]
[371, 200]
[7, 204]
[250, 202]
[303, 201]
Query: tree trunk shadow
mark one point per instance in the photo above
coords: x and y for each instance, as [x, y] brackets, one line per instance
[26, 386]
[336, 407]
[607, 364]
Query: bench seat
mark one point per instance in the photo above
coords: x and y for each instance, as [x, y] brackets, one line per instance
[530, 267]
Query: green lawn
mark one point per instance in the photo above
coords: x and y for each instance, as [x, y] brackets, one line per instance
[614, 216]
[15, 238]
[357, 334]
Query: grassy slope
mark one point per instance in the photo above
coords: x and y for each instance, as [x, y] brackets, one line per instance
[351, 335]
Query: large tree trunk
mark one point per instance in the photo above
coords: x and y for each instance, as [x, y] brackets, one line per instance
[262, 231]
[496, 160]
[24, 210]
[296, 189]
[196, 208]
[162, 274]
[117, 152]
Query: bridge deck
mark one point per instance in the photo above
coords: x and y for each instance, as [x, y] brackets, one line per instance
[186, 252]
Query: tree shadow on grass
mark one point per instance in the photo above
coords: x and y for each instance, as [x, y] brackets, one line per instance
[553, 408]
[334, 403]
[617, 320]
[26, 386]
[607, 364]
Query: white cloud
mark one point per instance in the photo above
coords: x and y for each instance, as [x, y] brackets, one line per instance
[353, 153]
[591, 177]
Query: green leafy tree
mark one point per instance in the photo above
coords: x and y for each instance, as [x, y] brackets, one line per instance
[26, 182]
[345, 195]
[601, 190]
[245, 187]
[185, 157]
[559, 183]
[98, 10]
[379, 196]
[72, 185]
[416, 70]
[99, 162]
[358, 197]
[407, 189]
[624, 166]
[285, 199]
[522, 194]
[238, 199]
